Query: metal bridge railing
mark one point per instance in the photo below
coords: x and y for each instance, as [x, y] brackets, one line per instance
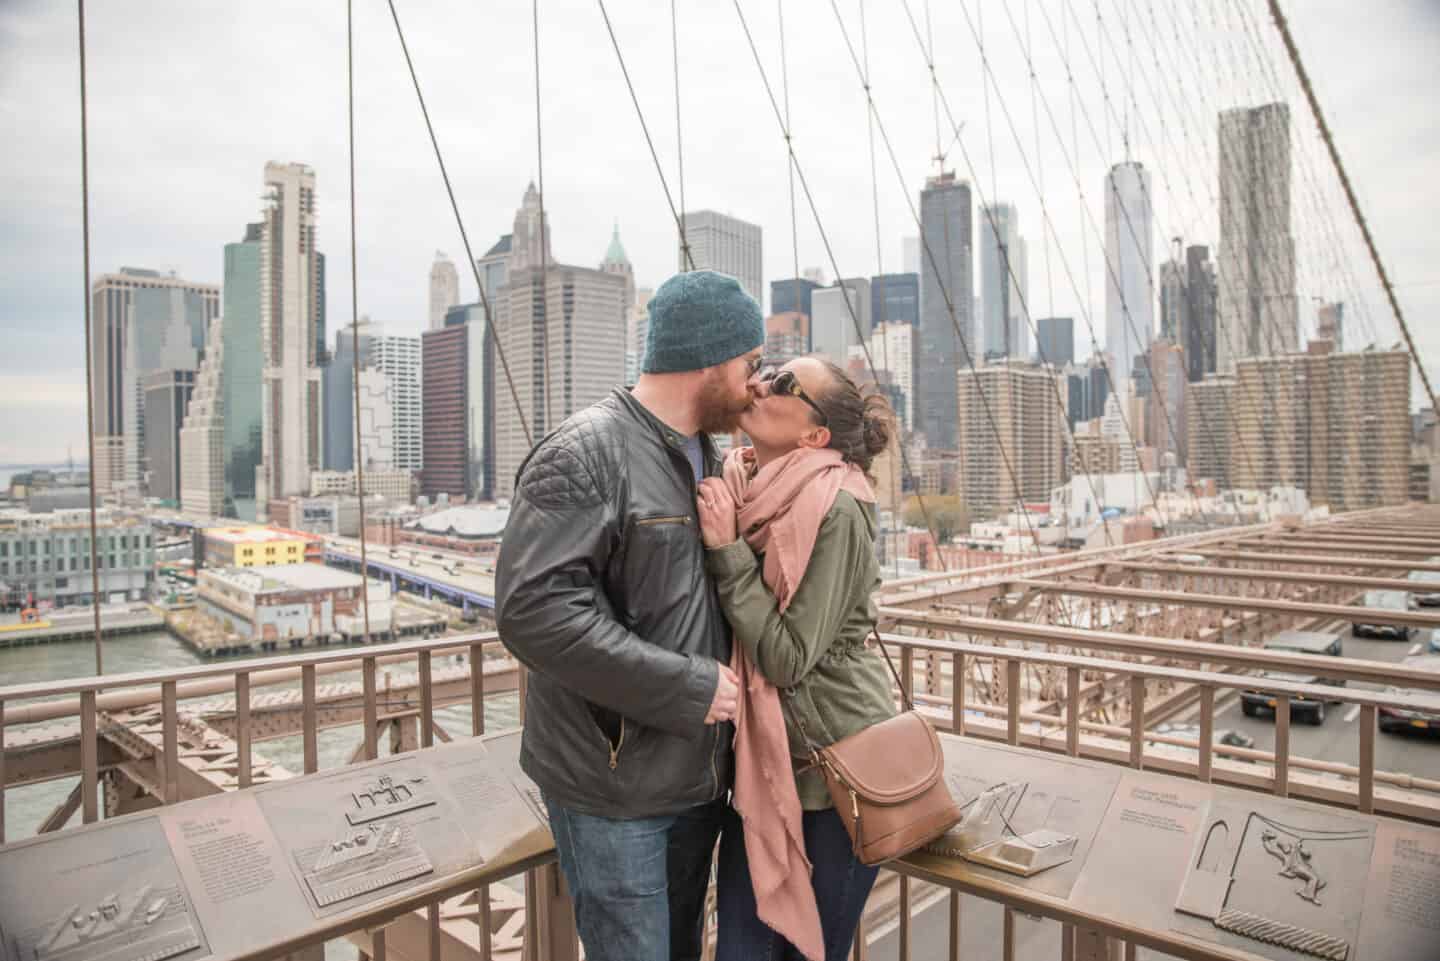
[547, 923]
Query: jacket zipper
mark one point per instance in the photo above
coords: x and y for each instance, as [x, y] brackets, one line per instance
[677, 519]
[714, 769]
[615, 748]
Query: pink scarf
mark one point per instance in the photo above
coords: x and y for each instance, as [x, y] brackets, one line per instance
[780, 510]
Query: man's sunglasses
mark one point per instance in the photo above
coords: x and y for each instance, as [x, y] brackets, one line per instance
[785, 382]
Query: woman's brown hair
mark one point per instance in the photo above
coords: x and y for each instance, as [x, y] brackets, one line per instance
[861, 420]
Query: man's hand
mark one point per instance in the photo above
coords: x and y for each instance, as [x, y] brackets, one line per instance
[717, 513]
[727, 696]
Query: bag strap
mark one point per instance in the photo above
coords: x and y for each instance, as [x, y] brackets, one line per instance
[813, 759]
[904, 691]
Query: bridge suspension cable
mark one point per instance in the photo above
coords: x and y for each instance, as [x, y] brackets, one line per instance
[89, 339]
[359, 459]
[854, 316]
[464, 237]
[873, 110]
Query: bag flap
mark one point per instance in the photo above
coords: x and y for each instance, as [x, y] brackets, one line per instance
[890, 762]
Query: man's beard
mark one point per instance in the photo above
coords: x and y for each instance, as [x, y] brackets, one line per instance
[718, 411]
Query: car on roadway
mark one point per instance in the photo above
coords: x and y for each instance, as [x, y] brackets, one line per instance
[1191, 732]
[1426, 591]
[1434, 644]
[1327, 643]
[1384, 600]
[1395, 719]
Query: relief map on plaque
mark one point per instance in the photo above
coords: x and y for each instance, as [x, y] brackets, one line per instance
[357, 831]
[109, 894]
[1029, 820]
[1277, 880]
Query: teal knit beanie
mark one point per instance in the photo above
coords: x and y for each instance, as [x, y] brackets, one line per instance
[698, 320]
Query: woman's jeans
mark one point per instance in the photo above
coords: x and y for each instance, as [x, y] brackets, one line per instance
[841, 883]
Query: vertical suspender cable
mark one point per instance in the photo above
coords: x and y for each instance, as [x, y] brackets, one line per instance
[544, 265]
[645, 129]
[359, 458]
[1284, 27]
[679, 141]
[464, 237]
[89, 348]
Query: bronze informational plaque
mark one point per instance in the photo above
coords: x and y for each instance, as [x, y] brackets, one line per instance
[505, 748]
[1134, 873]
[1278, 879]
[1402, 897]
[111, 893]
[235, 871]
[355, 832]
[1044, 798]
[500, 820]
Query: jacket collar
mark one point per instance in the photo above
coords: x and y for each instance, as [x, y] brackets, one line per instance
[666, 434]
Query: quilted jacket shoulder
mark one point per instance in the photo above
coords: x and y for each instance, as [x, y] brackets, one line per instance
[577, 465]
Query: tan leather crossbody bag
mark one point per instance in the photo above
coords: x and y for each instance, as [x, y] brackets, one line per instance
[887, 783]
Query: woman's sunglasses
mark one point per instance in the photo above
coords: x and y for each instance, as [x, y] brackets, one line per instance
[785, 382]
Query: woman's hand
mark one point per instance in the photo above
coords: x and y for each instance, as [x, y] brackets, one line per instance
[717, 513]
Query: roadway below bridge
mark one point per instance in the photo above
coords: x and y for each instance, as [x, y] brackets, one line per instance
[1338, 738]
[462, 579]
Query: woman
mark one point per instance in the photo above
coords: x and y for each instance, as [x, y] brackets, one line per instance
[791, 546]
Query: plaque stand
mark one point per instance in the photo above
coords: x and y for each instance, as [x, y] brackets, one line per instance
[1093, 945]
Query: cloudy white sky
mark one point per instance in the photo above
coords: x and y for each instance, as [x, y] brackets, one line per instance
[190, 98]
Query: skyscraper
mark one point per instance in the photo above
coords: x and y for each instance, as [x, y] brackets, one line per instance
[1129, 274]
[240, 410]
[1336, 425]
[946, 285]
[398, 360]
[837, 311]
[1165, 405]
[291, 317]
[1026, 432]
[1330, 324]
[562, 330]
[167, 397]
[202, 437]
[444, 289]
[445, 391]
[1172, 301]
[1057, 341]
[792, 295]
[1208, 429]
[1198, 335]
[895, 297]
[1003, 283]
[339, 382]
[728, 245]
[892, 344]
[637, 333]
[1258, 312]
[459, 406]
[618, 263]
[143, 322]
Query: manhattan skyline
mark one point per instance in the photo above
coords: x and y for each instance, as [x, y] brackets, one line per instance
[175, 142]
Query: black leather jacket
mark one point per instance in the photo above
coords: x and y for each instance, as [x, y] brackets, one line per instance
[601, 591]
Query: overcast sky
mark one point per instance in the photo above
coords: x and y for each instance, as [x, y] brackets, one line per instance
[188, 100]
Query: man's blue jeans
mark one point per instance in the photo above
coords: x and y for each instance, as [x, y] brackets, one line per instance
[638, 883]
[842, 884]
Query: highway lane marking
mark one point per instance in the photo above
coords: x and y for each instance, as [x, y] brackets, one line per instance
[1353, 713]
[1414, 650]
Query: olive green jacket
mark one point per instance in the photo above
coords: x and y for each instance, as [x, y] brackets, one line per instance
[831, 685]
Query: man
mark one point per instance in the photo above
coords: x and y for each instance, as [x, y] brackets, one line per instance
[601, 591]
